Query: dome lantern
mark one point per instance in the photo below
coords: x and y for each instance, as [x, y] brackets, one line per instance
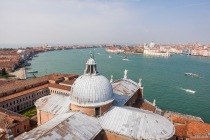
[91, 68]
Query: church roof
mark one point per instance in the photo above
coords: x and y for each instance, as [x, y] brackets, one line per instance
[136, 123]
[123, 90]
[53, 104]
[73, 125]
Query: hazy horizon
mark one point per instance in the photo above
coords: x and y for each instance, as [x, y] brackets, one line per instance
[104, 22]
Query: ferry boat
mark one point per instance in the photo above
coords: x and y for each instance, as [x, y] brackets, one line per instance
[125, 58]
[35, 71]
[191, 74]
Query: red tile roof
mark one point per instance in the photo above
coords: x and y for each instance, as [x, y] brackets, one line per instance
[191, 129]
[12, 117]
[18, 94]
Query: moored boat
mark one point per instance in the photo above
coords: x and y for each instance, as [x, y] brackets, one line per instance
[35, 71]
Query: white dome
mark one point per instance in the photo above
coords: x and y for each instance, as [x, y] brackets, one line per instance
[91, 90]
[20, 51]
[152, 44]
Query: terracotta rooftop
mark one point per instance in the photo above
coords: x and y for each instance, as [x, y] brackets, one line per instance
[58, 76]
[190, 128]
[24, 83]
[12, 117]
[60, 87]
[2, 99]
[198, 128]
[8, 63]
[181, 130]
[68, 82]
[2, 82]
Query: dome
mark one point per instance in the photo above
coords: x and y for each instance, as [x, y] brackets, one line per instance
[91, 90]
[20, 51]
[152, 44]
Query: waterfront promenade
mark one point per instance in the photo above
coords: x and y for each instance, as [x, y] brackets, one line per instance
[20, 73]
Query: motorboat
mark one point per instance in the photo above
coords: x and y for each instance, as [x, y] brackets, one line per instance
[192, 74]
[125, 58]
[190, 91]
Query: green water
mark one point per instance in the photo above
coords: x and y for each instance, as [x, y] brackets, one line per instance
[163, 78]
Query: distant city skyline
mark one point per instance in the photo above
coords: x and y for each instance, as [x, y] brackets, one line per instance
[104, 22]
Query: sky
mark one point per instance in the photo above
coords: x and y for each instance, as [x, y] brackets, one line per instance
[104, 21]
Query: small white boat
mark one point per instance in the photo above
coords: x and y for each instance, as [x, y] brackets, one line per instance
[191, 74]
[125, 58]
[190, 91]
[110, 56]
[35, 71]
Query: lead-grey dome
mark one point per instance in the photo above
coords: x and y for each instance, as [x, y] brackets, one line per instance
[91, 89]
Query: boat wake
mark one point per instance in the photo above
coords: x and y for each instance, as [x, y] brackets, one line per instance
[188, 90]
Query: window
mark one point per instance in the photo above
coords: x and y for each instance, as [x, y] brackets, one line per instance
[18, 131]
[97, 111]
[25, 127]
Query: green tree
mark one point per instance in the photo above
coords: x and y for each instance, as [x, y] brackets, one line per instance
[3, 72]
